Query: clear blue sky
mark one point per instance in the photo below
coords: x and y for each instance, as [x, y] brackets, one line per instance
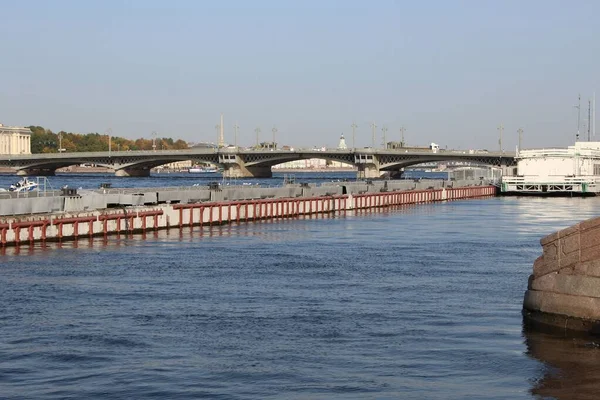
[449, 71]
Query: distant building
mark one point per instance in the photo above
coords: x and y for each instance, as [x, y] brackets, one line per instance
[178, 165]
[312, 163]
[15, 140]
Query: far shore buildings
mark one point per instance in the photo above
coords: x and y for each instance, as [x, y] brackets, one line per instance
[15, 140]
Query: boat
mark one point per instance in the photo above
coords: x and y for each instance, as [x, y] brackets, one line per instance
[24, 185]
[557, 171]
[197, 169]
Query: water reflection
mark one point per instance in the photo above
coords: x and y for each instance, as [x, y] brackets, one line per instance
[571, 364]
[532, 212]
[264, 228]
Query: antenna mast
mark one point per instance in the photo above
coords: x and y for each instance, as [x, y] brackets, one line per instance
[594, 116]
[589, 120]
[578, 107]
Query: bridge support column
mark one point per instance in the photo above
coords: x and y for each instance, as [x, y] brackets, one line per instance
[241, 171]
[368, 171]
[132, 172]
[36, 172]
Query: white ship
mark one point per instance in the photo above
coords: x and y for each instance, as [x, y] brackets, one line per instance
[197, 169]
[571, 171]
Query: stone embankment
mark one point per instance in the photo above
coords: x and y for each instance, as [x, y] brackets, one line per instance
[28, 229]
[564, 289]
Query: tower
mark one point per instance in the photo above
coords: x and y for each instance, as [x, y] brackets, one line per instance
[342, 144]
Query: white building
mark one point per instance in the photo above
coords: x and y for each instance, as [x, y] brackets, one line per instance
[15, 140]
[581, 159]
[312, 163]
[574, 169]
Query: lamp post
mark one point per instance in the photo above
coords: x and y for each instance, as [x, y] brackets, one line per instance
[235, 132]
[402, 133]
[520, 131]
[154, 134]
[354, 126]
[109, 132]
[373, 126]
[257, 130]
[578, 107]
[500, 129]
[384, 130]
[274, 130]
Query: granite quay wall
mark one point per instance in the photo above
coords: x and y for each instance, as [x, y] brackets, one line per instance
[28, 229]
[564, 289]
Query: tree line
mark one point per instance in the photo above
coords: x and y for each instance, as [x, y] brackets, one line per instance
[45, 141]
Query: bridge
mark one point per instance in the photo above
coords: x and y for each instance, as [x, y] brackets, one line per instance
[241, 163]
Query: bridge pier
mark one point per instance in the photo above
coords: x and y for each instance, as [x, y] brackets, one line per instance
[241, 171]
[368, 171]
[132, 172]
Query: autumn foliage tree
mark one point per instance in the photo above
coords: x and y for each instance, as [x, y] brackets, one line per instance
[46, 141]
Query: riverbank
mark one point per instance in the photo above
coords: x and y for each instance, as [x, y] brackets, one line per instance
[156, 211]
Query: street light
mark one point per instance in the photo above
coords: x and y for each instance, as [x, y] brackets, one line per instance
[373, 126]
[384, 130]
[354, 126]
[154, 134]
[274, 130]
[235, 131]
[520, 131]
[500, 129]
[257, 130]
[109, 133]
[402, 130]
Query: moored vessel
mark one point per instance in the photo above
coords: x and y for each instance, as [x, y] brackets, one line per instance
[557, 171]
[198, 169]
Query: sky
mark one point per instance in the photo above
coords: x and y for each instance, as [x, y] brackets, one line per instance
[450, 72]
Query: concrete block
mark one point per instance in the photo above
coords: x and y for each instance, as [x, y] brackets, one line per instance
[568, 260]
[551, 251]
[549, 239]
[542, 266]
[589, 268]
[589, 224]
[590, 238]
[568, 271]
[569, 244]
[578, 285]
[569, 231]
[589, 254]
[545, 283]
[558, 303]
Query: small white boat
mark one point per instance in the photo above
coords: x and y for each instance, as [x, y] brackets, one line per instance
[24, 185]
[196, 169]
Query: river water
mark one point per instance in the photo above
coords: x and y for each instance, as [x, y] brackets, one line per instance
[415, 302]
